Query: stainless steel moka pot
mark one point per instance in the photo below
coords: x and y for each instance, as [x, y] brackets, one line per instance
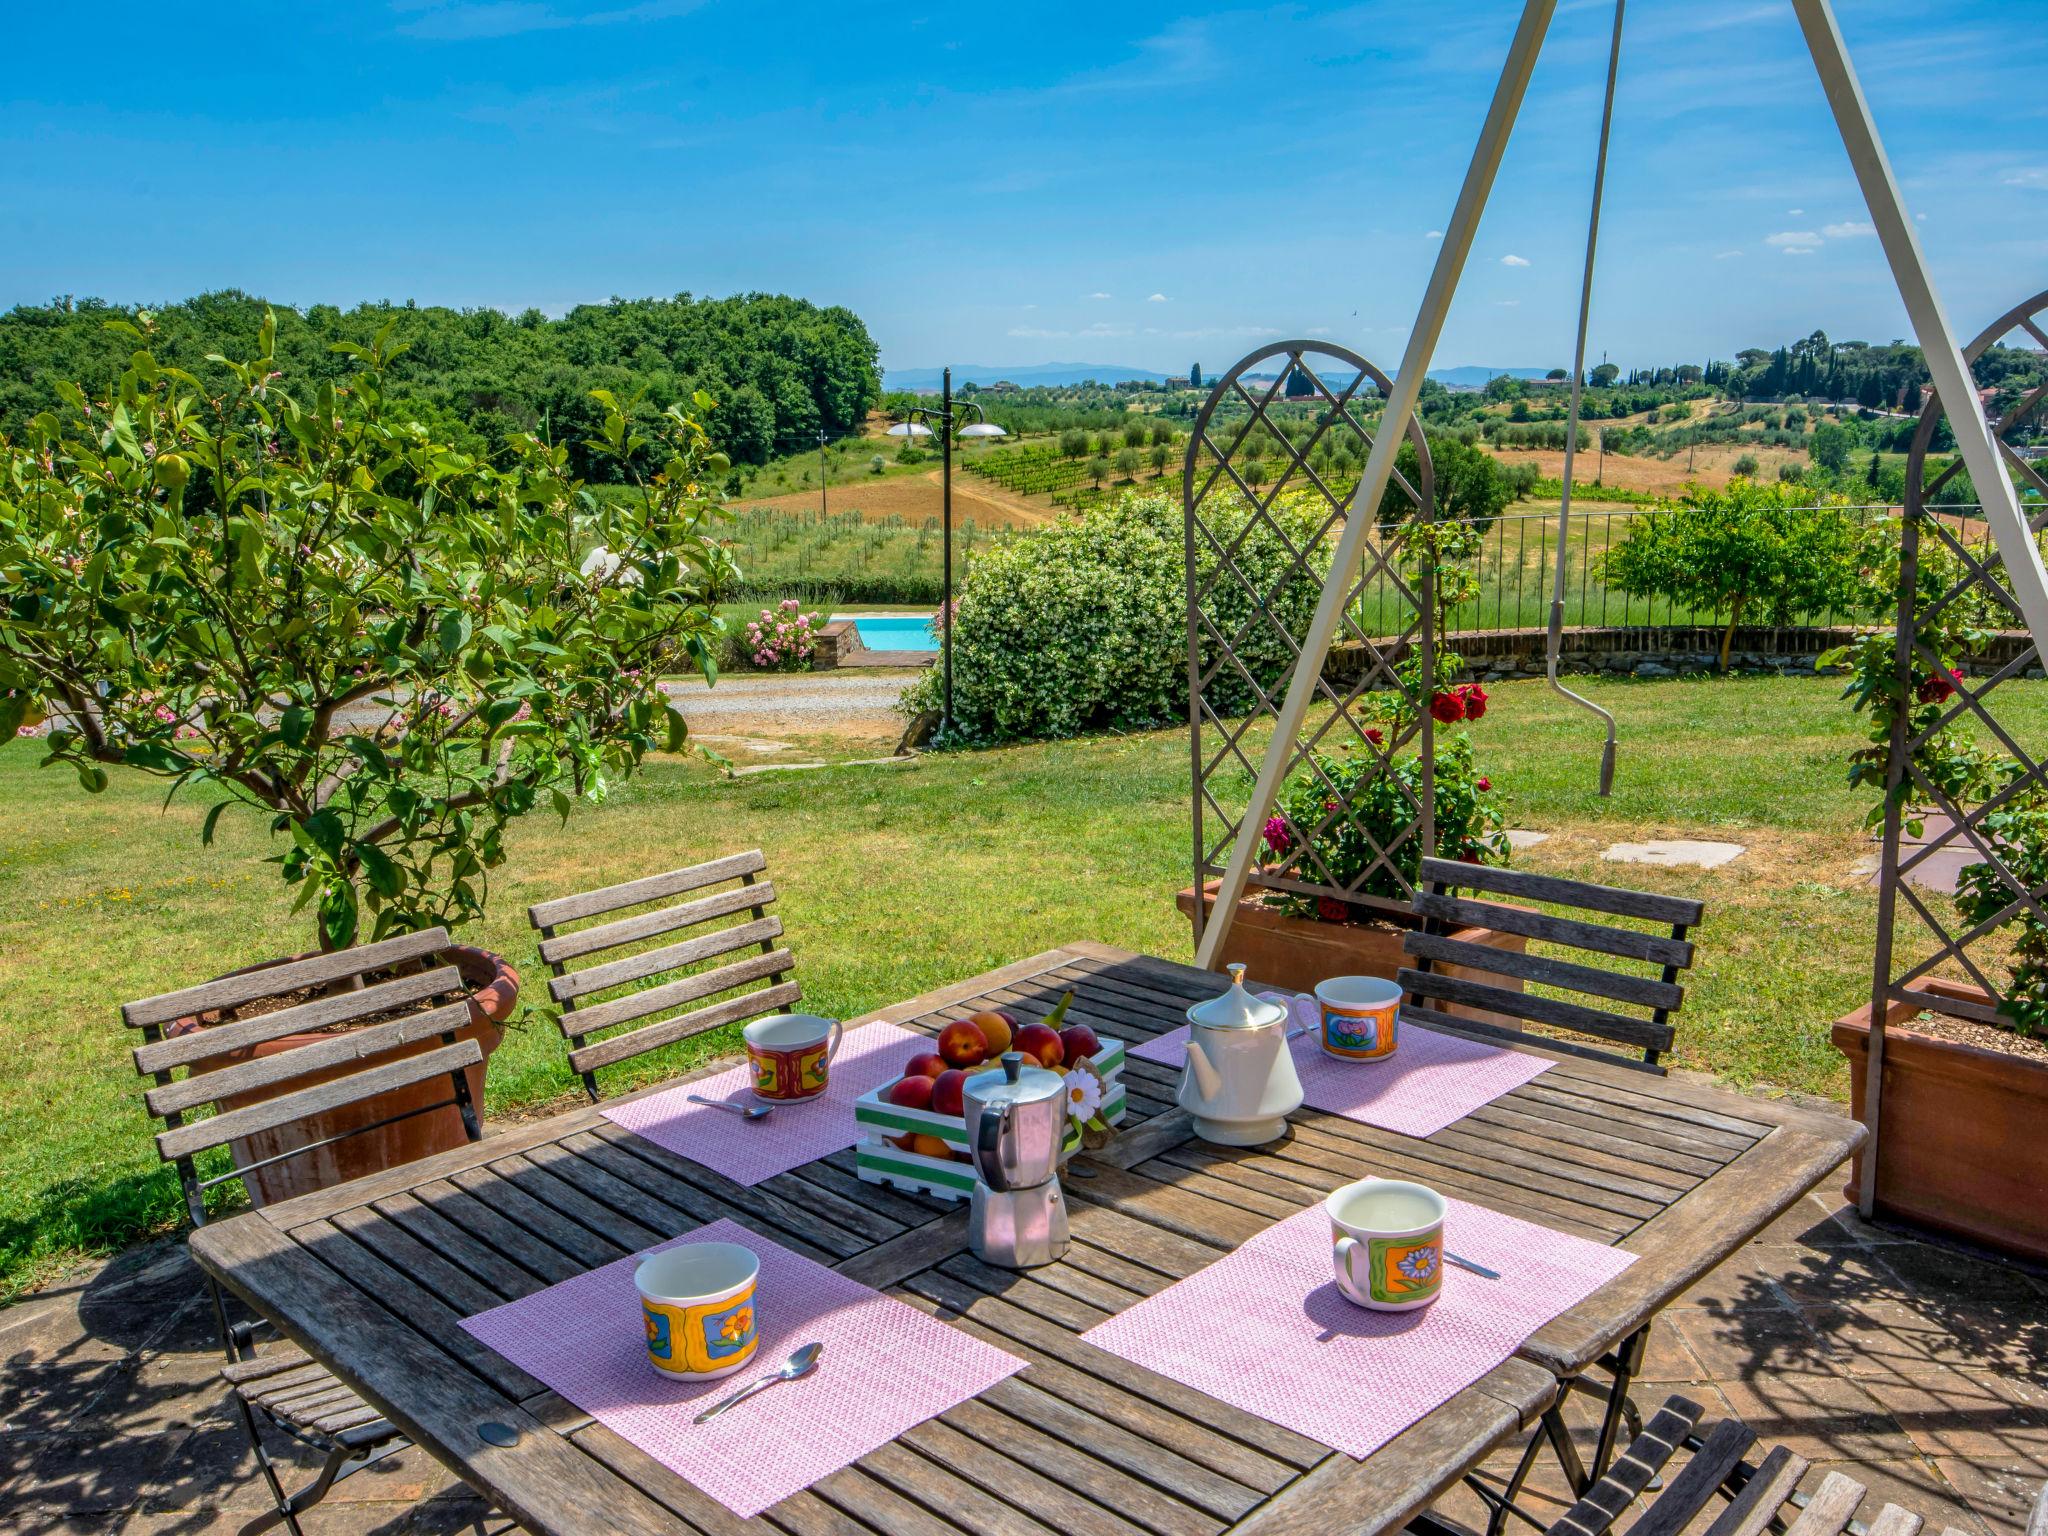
[1016, 1123]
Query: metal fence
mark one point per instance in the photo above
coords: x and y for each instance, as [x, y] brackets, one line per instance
[1516, 557]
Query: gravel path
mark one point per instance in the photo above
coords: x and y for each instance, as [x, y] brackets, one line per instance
[796, 696]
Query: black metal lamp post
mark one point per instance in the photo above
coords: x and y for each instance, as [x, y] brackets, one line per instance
[914, 426]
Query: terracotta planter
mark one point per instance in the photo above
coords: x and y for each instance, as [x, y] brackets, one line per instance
[1298, 952]
[494, 993]
[1959, 1143]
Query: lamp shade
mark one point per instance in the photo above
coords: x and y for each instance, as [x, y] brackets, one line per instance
[982, 429]
[910, 429]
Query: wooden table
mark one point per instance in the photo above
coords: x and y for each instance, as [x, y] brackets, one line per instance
[372, 1278]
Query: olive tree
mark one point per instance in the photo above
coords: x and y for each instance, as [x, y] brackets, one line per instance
[300, 601]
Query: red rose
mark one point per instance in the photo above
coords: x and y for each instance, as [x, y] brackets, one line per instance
[1372, 735]
[1485, 784]
[1448, 708]
[1475, 700]
[1468, 858]
[1937, 689]
[1331, 910]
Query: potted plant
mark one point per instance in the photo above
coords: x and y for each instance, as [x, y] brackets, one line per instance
[1332, 818]
[1959, 1145]
[294, 597]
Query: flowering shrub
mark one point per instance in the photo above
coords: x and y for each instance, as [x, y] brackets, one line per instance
[307, 603]
[784, 638]
[1082, 624]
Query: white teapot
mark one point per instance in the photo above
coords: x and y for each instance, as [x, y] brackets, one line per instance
[1239, 1084]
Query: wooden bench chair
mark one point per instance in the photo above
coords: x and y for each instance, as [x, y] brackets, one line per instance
[280, 1384]
[1591, 1015]
[623, 1001]
[1761, 1496]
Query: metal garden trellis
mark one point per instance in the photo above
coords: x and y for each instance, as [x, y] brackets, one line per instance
[1225, 515]
[1893, 978]
[1946, 365]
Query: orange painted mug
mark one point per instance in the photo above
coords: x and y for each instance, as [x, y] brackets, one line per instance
[791, 1054]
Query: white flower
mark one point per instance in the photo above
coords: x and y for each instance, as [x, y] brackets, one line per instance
[1084, 1093]
[601, 563]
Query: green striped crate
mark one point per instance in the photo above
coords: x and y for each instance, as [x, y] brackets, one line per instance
[879, 1161]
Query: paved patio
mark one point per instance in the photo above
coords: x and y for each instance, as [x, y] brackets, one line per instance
[1924, 1367]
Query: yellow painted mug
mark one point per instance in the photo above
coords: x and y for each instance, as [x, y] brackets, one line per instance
[1361, 1017]
[697, 1300]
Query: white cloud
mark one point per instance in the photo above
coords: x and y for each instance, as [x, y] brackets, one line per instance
[1919, 218]
[1793, 237]
[1514, 261]
[470, 20]
[1793, 213]
[1507, 303]
[1098, 295]
[1798, 250]
[2029, 176]
[1434, 234]
[1726, 255]
[1850, 230]
[1155, 298]
[1320, 330]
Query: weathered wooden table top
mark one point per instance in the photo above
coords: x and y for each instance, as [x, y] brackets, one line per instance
[373, 1277]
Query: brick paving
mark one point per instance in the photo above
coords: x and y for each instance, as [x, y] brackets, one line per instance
[1921, 1370]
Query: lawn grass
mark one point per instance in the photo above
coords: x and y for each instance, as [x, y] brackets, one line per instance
[896, 880]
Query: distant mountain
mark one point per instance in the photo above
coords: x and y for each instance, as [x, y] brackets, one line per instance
[1475, 378]
[926, 380]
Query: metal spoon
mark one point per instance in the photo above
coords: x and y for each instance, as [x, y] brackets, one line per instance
[798, 1364]
[744, 1111]
[1478, 1269]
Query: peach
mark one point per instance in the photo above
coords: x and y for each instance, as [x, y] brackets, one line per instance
[949, 1092]
[1079, 1042]
[931, 1146]
[1037, 1041]
[914, 1092]
[925, 1064]
[996, 1029]
[963, 1045]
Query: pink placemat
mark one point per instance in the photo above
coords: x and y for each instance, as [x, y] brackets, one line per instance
[1432, 1079]
[886, 1367]
[748, 1151]
[1265, 1328]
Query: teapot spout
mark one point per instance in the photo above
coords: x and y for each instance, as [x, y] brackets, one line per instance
[1207, 1079]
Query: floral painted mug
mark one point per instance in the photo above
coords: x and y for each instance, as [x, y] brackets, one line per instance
[1387, 1240]
[1360, 1017]
[791, 1054]
[697, 1301]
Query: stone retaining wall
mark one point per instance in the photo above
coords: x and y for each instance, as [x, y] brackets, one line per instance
[1642, 651]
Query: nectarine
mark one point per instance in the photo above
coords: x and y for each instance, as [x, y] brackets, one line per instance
[963, 1045]
[914, 1092]
[1079, 1042]
[924, 1064]
[949, 1092]
[995, 1029]
[1037, 1041]
[931, 1146]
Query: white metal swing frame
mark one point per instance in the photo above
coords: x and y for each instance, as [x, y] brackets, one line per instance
[1945, 365]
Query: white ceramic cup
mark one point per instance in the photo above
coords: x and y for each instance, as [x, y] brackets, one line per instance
[697, 1301]
[791, 1054]
[1387, 1238]
[1360, 1017]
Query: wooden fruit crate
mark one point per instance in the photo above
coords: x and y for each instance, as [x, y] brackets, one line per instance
[879, 1161]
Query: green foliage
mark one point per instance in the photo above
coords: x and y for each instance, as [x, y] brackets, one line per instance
[1082, 625]
[292, 592]
[2019, 834]
[1751, 551]
[1471, 485]
[1830, 445]
[780, 368]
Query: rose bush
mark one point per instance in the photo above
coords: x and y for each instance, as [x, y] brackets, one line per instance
[306, 602]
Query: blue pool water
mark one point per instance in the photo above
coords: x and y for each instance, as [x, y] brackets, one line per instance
[913, 634]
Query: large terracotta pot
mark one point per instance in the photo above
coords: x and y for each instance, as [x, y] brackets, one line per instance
[1959, 1145]
[1298, 952]
[494, 993]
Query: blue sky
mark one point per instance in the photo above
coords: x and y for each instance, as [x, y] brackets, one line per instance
[1139, 184]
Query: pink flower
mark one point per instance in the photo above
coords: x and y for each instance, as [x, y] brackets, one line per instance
[791, 603]
[1485, 784]
[1279, 836]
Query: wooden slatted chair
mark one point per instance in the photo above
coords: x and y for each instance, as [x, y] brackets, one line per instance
[1608, 1034]
[1761, 1497]
[279, 1384]
[617, 1008]
[1594, 1027]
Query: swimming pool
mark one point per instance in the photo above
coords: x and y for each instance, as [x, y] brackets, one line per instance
[896, 634]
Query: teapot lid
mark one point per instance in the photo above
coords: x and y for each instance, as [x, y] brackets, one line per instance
[1013, 1083]
[1237, 1008]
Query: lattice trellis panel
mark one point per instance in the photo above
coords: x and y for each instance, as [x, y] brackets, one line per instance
[1948, 570]
[1271, 469]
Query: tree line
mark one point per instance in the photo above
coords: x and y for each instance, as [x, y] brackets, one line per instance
[781, 369]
